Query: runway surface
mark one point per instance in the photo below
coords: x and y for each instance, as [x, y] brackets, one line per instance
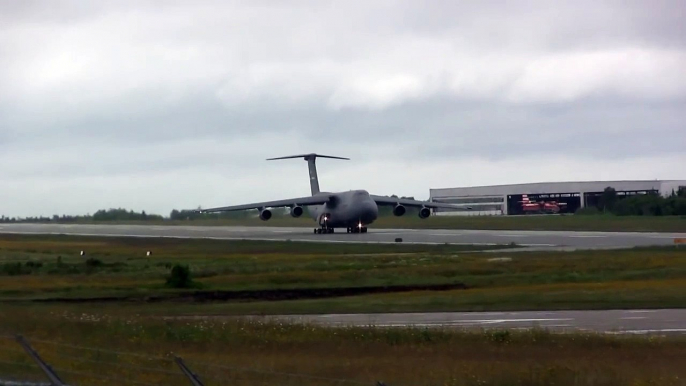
[668, 321]
[533, 239]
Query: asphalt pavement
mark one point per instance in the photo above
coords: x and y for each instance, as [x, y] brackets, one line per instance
[665, 321]
[533, 239]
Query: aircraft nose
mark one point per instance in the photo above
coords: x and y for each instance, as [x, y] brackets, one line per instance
[368, 211]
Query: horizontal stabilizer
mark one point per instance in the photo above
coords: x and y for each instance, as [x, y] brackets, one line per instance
[311, 160]
[307, 157]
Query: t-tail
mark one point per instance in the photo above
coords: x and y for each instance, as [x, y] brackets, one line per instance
[310, 158]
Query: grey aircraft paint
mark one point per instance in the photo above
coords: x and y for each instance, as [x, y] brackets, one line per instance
[353, 210]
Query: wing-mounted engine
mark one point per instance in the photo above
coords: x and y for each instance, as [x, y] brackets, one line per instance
[424, 212]
[297, 211]
[265, 214]
[399, 210]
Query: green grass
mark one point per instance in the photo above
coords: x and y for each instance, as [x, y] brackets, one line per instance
[325, 278]
[86, 341]
[84, 344]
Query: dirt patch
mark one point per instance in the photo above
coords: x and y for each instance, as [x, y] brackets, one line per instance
[262, 295]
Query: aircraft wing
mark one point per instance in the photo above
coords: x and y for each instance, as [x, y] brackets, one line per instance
[383, 200]
[302, 201]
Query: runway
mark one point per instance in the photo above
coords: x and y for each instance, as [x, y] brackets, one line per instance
[532, 239]
[667, 321]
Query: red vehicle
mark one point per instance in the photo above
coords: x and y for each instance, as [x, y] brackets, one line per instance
[541, 207]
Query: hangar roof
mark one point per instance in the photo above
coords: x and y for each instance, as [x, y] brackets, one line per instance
[665, 187]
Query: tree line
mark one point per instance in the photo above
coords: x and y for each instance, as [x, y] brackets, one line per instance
[650, 204]
[104, 215]
[120, 214]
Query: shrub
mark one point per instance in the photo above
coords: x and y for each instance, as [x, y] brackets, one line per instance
[589, 210]
[14, 269]
[34, 264]
[180, 277]
[93, 263]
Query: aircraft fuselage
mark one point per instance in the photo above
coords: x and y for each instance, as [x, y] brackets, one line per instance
[350, 209]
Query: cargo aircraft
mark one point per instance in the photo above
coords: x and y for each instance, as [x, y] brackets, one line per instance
[353, 210]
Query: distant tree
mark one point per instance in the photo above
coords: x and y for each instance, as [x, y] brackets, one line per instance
[608, 199]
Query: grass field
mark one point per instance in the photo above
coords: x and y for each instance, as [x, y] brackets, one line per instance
[109, 313]
[258, 277]
[253, 353]
[608, 223]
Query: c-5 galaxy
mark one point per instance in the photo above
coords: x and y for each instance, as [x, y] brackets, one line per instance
[353, 210]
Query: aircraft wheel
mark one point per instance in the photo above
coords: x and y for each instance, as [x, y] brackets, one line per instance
[364, 229]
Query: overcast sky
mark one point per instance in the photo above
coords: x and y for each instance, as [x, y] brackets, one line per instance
[158, 105]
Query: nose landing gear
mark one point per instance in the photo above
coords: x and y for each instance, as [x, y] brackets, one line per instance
[324, 224]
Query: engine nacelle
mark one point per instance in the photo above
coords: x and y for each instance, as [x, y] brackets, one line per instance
[424, 212]
[399, 210]
[265, 214]
[297, 211]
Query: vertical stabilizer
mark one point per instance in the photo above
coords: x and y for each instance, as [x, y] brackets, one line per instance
[311, 164]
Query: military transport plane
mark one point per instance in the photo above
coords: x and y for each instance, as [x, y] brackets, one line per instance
[353, 210]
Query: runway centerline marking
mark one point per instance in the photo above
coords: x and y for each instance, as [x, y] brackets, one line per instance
[466, 322]
[648, 331]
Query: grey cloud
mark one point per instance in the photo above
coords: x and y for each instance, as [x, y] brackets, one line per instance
[185, 91]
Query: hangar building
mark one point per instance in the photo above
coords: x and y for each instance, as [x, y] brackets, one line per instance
[507, 199]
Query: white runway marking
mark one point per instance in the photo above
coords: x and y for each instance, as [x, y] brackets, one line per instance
[634, 317]
[467, 322]
[647, 331]
[587, 236]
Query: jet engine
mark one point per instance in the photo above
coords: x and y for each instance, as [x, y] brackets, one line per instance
[399, 210]
[297, 211]
[265, 214]
[424, 212]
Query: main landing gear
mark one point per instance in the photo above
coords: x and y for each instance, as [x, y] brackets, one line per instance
[327, 230]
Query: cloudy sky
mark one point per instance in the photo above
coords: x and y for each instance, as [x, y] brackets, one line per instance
[175, 104]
